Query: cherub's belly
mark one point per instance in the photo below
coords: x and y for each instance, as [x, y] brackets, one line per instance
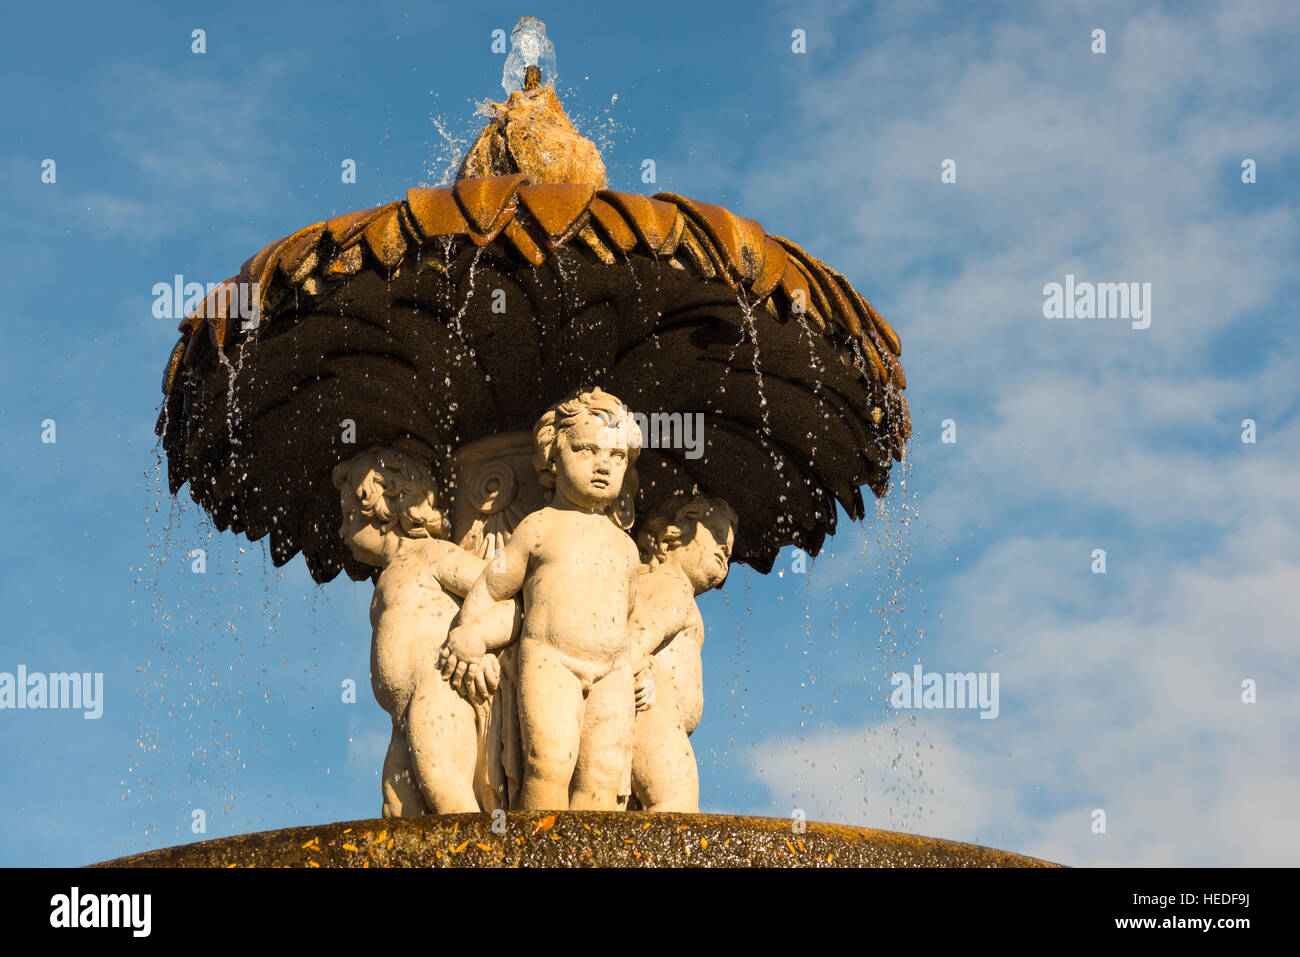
[592, 631]
[405, 637]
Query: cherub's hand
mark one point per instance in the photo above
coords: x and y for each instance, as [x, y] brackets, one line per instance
[491, 674]
[459, 653]
[645, 684]
[481, 680]
[466, 644]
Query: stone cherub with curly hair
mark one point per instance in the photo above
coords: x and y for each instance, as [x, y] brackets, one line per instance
[577, 568]
[686, 545]
[391, 521]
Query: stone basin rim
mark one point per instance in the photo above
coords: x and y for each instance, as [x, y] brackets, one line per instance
[912, 850]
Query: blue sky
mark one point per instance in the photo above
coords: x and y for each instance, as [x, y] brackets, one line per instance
[1120, 692]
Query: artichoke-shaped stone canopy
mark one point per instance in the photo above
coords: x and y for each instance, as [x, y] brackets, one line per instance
[463, 312]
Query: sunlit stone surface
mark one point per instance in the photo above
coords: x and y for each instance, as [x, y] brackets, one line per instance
[578, 839]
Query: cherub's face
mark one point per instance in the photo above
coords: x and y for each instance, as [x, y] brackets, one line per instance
[365, 541]
[706, 557]
[590, 462]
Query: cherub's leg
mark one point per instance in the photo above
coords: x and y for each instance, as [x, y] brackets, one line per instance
[550, 720]
[444, 745]
[401, 794]
[606, 742]
[664, 773]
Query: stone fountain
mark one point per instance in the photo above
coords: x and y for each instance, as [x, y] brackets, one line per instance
[543, 417]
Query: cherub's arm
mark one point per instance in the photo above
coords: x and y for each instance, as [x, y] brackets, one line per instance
[659, 614]
[457, 570]
[633, 576]
[503, 576]
[488, 615]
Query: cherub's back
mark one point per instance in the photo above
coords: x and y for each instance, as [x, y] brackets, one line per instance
[409, 583]
[410, 614]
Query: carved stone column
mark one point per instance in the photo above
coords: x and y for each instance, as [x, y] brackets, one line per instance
[493, 486]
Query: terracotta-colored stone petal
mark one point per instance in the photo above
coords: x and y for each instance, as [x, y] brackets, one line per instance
[877, 365]
[173, 366]
[485, 239]
[773, 269]
[603, 252]
[262, 275]
[819, 301]
[519, 237]
[484, 200]
[896, 373]
[556, 207]
[717, 262]
[436, 212]
[827, 284]
[652, 219]
[342, 228]
[213, 305]
[795, 286]
[675, 235]
[703, 264]
[295, 253]
[741, 240]
[254, 268]
[904, 418]
[885, 329]
[615, 227]
[384, 237]
[348, 262]
[215, 309]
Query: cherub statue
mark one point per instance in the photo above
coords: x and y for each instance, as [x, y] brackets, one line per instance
[686, 546]
[577, 569]
[391, 521]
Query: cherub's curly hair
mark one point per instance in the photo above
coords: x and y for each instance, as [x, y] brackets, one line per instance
[564, 415]
[664, 529]
[396, 490]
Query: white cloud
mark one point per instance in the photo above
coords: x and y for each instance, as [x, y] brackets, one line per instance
[1124, 696]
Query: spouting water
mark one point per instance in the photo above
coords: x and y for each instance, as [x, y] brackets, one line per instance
[529, 46]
